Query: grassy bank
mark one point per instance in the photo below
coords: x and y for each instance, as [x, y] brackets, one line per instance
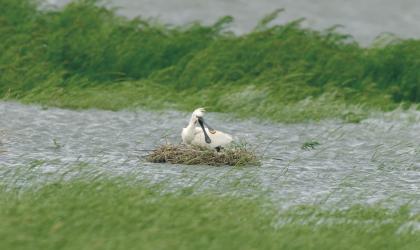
[86, 56]
[110, 214]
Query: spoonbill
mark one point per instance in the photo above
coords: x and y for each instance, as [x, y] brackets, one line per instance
[205, 137]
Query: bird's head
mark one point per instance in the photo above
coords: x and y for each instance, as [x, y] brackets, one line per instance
[197, 114]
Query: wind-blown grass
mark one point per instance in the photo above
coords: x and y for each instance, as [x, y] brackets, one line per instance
[112, 214]
[86, 56]
[235, 155]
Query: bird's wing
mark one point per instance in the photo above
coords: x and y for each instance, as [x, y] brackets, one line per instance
[217, 139]
[220, 139]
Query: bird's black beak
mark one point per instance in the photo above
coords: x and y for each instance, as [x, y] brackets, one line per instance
[212, 131]
[206, 136]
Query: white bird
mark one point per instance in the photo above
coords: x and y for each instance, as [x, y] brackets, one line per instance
[205, 137]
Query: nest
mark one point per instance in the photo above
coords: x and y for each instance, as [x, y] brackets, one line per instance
[237, 155]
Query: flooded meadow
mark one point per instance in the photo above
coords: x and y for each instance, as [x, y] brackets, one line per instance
[374, 161]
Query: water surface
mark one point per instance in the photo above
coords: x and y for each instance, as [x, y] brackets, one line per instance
[375, 161]
[364, 19]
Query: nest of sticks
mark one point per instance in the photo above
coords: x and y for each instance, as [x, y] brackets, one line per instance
[235, 155]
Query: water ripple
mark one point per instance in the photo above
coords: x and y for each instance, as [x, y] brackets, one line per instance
[375, 161]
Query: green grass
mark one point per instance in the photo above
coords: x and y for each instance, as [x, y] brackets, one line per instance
[85, 56]
[111, 214]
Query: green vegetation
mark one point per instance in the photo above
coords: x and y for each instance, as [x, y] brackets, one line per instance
[86, 56]
[310, 145]
[235, 155]
[111, 214]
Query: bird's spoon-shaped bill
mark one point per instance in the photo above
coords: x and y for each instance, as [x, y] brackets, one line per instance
[206, 136]
[211, 130]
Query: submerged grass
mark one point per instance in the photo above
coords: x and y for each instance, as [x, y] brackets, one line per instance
[236, 155]
[112, 214]
[86, 56]
[309, 145]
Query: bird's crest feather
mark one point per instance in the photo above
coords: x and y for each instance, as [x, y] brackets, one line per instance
[199, 112]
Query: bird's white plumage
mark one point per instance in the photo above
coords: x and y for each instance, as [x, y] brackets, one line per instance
[193, 135]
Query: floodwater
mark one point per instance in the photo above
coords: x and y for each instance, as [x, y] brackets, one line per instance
[375, 161]
[364, 19]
